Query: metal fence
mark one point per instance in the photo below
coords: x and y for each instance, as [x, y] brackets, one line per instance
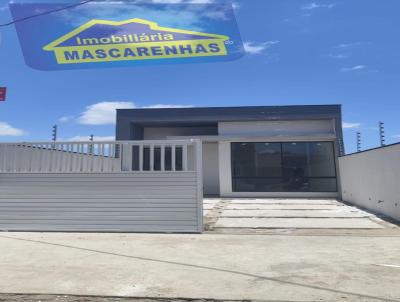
[120, 186]
[89, 156]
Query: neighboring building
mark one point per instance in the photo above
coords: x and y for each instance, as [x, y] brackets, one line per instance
[281, 151]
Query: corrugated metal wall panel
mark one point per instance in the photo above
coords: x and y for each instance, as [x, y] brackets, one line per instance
[121, 202]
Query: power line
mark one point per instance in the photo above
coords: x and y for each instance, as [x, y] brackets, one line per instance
[46, 13]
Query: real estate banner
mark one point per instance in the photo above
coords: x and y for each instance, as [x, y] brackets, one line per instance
[119, 34]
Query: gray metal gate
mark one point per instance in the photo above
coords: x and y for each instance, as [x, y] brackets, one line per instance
[130, 186]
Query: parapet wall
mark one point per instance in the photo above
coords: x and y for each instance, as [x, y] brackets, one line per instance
[371, 179]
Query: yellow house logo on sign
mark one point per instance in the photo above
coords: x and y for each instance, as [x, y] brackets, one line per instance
[134, 39]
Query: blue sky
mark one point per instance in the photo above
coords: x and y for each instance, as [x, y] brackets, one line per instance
[298, 52]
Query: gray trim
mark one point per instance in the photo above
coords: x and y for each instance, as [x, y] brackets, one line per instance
[130, 121]
[217, 114]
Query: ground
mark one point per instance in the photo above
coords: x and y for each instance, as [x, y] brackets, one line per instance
[253, 249]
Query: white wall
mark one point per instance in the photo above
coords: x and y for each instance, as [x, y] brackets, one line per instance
[225, 169]
[277, 128]
[157, 133]
[371, 179]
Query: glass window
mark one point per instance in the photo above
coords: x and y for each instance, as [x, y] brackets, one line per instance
[314, 159]
[283, 167]
[256, 167]
[308, 166]
[256, 159]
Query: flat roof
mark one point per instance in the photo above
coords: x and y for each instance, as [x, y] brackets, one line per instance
[216, 114]
[129, 121]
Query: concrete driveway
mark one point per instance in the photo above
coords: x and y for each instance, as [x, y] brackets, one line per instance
[335, 265]
[288, 215]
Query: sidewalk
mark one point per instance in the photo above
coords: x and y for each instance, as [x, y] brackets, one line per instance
[218, 266]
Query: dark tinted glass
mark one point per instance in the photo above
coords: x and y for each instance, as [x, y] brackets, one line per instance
[157, 158]
[283, 167]
[178, 159]
[146, 158]
[167, 156]
[314, 159]
[135, 158]
[257, 184]
[256, 159]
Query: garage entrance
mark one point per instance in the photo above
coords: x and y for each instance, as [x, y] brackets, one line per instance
[130, 186]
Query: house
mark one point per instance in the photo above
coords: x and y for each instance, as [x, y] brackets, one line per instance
[266, 151]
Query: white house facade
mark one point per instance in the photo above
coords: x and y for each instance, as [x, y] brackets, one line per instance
[265, 151]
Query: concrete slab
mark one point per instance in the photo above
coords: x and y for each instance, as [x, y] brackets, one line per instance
[205, 212]
[226, 267]
[210, 201]
[345, 213]
[266, 206]
[208, 206]
[309, 223]
[283, 201]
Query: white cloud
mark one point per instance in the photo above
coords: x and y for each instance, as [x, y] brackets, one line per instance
[353, 68]
[104, 113]
[235, 5]
[83, 138]
[313, 5]
[352, 44]
[66, 118]
[396, 136]
[337, 56]
[255, 48]
[351, 125]
[187, 16]
[7, 130]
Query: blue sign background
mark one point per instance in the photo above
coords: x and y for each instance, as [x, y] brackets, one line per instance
[38, 32]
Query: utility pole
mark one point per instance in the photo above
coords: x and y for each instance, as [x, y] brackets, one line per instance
[91, 136]
[382, 133]
[54, 133]
[54, 136]
[358, 141]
